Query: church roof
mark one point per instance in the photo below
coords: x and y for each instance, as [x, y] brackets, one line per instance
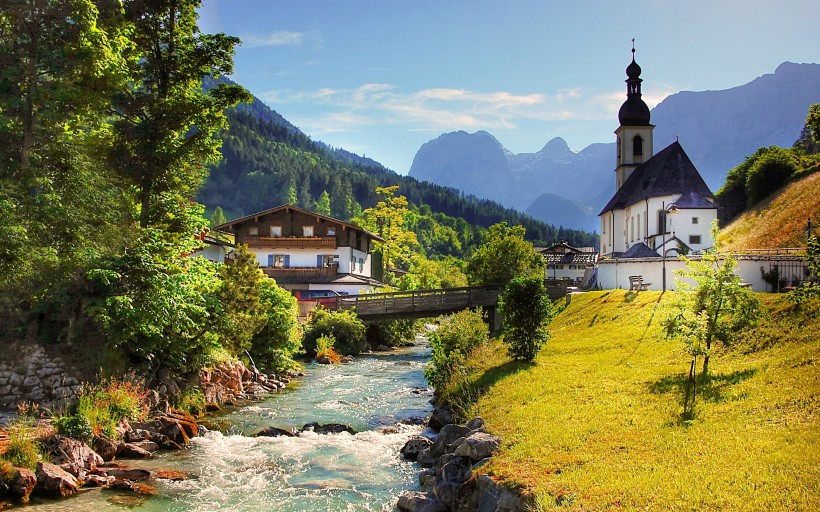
[667, 173]
[640, 250]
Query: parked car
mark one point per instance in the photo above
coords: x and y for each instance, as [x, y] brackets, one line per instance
[323, 297]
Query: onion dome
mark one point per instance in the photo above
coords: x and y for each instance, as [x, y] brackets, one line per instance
[634, 111]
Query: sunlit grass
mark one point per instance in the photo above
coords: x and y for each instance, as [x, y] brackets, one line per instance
[596, 422]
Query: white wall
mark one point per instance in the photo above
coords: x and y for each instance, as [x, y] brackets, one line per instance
[349, 289]
[307, 258]
[614, 273]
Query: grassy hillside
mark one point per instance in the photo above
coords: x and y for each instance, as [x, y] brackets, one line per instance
[779, 221]
[596, 423]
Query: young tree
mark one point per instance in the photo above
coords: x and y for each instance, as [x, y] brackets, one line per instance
[503, 256]
[525, 311]
[239, 294]
[323, 204]
[712, 306]
[218, 217]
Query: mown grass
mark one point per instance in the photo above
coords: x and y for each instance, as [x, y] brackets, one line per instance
[595, 423]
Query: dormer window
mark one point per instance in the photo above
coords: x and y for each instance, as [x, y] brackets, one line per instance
[307, 231]
[637, 145]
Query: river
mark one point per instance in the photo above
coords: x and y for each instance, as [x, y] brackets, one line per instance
[334, 472]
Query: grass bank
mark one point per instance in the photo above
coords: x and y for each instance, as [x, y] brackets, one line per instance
[595, 423]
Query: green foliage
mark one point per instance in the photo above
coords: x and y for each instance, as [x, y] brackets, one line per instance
[274, 346]
[811, 287]
[431, 274]
[344, 326]
[218, 217]
[503, 256]
[457, 335]
[323, 204]
[391, 333]
[105, 404]
[241, 315]
[768, 173]
[23, 450]
[525, 311]
[191, 400]
[76, 426]
[325, 349]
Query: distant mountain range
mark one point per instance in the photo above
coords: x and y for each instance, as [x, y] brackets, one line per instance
[717, 129]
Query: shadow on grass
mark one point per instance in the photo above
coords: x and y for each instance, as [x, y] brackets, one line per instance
[466, 394]
[711, 388]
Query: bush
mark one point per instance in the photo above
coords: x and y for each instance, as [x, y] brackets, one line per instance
[391, 333]
[324, 349]
[23, 448]
[192, 401]
[344, 326]
[106, 404]
[275, 345]
[455, 337]
[769, 173]
[525, 309]
[76, 426]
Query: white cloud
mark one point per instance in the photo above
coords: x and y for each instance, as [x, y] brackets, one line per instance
[279, 38]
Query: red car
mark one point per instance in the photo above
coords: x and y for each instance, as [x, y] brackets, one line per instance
[326, 298]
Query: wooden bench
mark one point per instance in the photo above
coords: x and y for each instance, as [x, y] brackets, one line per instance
[636, 283]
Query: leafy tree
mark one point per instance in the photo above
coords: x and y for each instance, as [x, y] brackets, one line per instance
[278, 341]
[388, 219]
[323, 204]
[712, 306]
[344, 326]
[525, 311]
[503, 256]
[768, 173]
[457, 335]
[165, 124]
[239, 294]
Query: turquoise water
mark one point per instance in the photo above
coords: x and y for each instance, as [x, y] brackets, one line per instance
[334, 472]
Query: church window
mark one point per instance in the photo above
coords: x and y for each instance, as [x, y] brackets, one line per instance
[639, 226]
[632, 229]
[694, 220]
[637, 145]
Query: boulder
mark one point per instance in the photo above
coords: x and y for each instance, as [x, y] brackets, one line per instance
[275, 432]
[447, 492]
[105, 448]
[419, 502]
[133, 451]
[73, 455]
[414, 446]
[475, 423]
[478, 445]
[54, 482]
[327, 428]
[452, 468]
[132, 475]
[441, 416]
[492, 496]
[446, 436]
[98, 481]
[426, 459]
[149, 446]
[174, 475]
[22, 484]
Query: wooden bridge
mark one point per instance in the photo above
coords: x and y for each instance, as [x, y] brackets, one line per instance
[419, 303]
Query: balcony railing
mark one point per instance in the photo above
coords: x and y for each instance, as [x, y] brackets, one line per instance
[319, 242]
[330, 270]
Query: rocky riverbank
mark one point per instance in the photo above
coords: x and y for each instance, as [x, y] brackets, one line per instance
[452, 480]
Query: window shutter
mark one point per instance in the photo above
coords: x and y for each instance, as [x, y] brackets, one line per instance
[270, 260]
[287, 260]
[318, 260]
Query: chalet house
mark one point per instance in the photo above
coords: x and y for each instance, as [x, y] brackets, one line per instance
[303, 250]
[661, 201]
[217, 245]
[565, 262]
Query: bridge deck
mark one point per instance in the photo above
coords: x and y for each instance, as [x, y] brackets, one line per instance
[418, 303]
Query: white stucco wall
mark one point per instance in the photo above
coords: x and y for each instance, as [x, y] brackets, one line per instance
[307, 258]
[614, 273]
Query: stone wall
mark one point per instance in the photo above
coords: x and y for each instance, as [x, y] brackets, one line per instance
[29, 374]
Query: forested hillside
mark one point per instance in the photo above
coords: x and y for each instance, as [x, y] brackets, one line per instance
[267, 163]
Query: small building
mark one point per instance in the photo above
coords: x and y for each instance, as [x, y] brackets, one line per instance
[218, 245]
[576, 264]
[304, 250]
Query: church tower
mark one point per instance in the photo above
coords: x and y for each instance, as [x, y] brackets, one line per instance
[634, 135]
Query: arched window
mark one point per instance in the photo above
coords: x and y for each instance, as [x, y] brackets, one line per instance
[637, 145]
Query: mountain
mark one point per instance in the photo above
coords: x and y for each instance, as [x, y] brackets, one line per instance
[718, 129]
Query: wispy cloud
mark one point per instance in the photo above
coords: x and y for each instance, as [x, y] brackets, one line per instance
[445, 109]
[279, 38]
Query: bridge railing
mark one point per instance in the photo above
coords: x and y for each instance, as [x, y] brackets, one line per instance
[415, 301]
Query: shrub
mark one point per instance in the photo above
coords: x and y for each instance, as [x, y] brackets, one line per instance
[769, 173]
[23, 448]
[76, 426]
[525, 309]
[344, 326]
[455, 337]
[324, 349]
[275, 345]
[392, 333]
[106, 404]
[191, 400]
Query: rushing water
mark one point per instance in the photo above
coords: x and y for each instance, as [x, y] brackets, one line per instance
[312, 472]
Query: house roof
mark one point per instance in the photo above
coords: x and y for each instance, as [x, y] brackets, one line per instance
[353, 279]
[640, 250]
[564, 253]
[669, 172]
[289, 207]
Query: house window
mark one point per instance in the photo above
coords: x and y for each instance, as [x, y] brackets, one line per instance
[281, 260]
[324, 260]
[637, 145]
[694, 220]
[331, 231]
[694, 239]
[276, 231]
[307, 230]
[361, 264]
[353, 263]
[253, 231]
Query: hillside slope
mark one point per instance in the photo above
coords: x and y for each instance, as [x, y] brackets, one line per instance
[596, 423]
[779, 221]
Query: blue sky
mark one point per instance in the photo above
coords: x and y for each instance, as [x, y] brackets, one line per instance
[382, 77]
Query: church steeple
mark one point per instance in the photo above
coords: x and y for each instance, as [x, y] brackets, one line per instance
[634, 135]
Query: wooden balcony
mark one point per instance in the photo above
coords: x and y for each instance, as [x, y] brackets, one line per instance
[319, 242]
[275, 272]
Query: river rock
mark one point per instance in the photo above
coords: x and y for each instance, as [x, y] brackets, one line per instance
[492, 496]
[426, 459]
[446, 436]
[327, 428]
[453, 468]
[21, 484]
[105, 448]
[54, 482]
[132, 475]
[151, 446]
[174, 475]
[414, 446]
[441, 416]
[73, 455]
[478, 445]
[99, 481]
[419, 502]
[134, 451]
[475, 423]
[275, 432]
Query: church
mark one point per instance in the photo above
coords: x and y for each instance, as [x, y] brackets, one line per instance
[661, 205]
